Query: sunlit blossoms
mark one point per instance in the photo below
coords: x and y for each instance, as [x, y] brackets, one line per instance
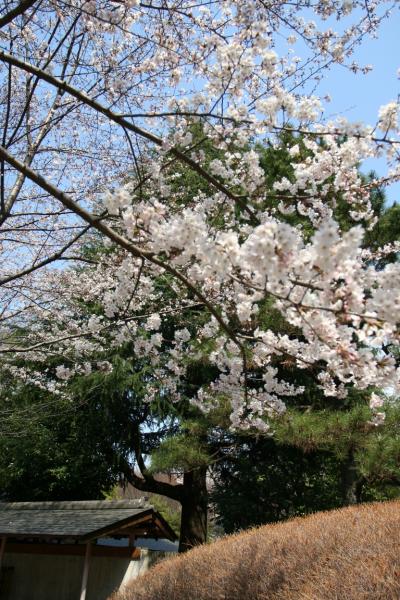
[132, 160]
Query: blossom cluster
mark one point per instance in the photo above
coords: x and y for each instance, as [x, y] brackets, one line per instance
[154, 119]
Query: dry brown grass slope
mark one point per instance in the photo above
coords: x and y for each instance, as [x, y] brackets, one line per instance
[353, 553]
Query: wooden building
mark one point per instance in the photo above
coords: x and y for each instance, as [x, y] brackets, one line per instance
[75, 550]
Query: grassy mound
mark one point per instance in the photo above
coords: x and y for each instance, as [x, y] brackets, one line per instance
[353, 553]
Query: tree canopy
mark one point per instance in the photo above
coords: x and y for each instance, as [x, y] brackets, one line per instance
[185, 236]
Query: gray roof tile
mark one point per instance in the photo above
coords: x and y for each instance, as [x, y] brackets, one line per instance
[67, 519]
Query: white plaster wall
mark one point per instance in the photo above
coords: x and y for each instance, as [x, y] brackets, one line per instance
[44, 577]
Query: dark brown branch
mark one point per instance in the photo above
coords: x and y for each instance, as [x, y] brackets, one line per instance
[16, 12]
[5, 129]
[149, 484]
[54, 257]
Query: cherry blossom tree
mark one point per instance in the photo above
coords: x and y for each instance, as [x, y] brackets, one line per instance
[99, 104]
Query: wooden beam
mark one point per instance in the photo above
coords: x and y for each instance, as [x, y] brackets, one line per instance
[2, 548]
[143, 532]
[120, 527]
[164, 532]
[85, 574]
[74, 550]
[140, 521]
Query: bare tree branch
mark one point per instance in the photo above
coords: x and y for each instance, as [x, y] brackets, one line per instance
[16, 12]
[54, 257]
[120, 120]
[97, 223]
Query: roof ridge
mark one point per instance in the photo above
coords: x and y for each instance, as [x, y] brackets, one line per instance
[77, 504]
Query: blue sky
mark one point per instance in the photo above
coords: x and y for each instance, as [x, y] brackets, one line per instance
[358, 97]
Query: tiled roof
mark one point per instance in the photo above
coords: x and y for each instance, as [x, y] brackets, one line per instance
[73, 519]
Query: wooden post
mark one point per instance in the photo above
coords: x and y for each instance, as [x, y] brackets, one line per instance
[85, 572]
[2, 548]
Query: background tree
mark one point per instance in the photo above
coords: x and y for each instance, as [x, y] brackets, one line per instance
[52, 448]
[260, 481]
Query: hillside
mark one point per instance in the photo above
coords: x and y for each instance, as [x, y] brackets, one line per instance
[352, 553]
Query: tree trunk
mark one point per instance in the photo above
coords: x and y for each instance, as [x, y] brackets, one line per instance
[351, 482]
[194, 509]
[192, 494]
